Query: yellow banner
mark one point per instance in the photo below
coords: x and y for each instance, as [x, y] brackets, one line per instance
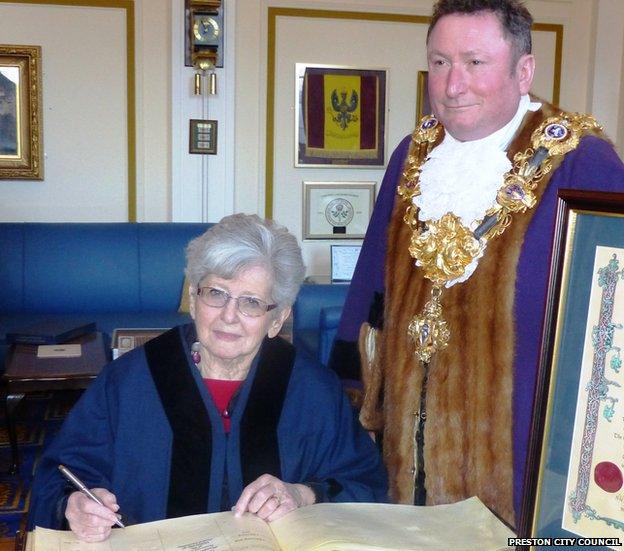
[342, 112]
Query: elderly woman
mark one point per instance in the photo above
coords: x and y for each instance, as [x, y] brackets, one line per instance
[213, 415]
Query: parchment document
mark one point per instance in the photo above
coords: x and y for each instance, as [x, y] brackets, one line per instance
[212, 532]
[466, 525]
[594, 490]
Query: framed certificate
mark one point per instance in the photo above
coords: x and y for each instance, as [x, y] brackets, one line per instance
[575, 482]
[337, 210]
[343, 261]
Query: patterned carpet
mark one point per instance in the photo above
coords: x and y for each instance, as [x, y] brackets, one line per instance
[38, 418]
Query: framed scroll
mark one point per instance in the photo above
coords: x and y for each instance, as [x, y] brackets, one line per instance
[575, 473]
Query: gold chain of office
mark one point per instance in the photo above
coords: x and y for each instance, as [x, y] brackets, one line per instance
[444, 248]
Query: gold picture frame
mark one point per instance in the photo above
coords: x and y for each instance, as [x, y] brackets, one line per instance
[423, 107]
[21, 139]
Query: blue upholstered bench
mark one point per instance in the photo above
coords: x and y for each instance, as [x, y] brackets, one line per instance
[114, 274]
[123, 275]
[316, 314]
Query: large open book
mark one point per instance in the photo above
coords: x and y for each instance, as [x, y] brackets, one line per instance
[466, 525]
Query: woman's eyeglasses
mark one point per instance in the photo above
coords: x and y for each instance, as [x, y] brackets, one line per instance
[248, 306]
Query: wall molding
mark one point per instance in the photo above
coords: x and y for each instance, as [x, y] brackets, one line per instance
[202, 186]
[128, 7]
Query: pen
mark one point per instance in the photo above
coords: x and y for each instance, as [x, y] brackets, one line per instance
[82, 487]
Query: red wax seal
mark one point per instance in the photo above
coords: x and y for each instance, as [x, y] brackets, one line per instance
[608, 476]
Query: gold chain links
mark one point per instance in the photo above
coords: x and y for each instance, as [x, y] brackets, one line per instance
[444, 248]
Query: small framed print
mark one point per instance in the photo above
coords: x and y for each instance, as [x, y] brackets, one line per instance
[203, 137]
[337, 210]
[125, 340]
[343, 261]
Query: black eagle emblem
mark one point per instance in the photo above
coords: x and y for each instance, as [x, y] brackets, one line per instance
[343, 109]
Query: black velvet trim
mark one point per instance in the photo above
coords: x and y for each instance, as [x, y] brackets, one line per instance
[334, 488]
[189, 481]
[345, 356]
[345, 360]
[259, 450]
[324, 491]
[375, 314]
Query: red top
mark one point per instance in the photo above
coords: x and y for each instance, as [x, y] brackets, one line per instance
[222, 392]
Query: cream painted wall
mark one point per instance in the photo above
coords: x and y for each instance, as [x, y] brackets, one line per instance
[85, 170]
[607, 87]
[84, 112]
[153, 86]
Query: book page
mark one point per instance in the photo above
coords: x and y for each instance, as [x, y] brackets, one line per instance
[466, 525]
[594, 494]
[210, 532]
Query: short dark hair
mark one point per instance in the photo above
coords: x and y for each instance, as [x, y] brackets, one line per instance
[515, 19]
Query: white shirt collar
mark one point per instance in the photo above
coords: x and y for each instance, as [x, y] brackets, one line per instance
[464, 177]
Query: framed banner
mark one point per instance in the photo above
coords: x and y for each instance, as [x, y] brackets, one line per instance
[575, 470]
[337, 210]
[21, 142]
[340, 116]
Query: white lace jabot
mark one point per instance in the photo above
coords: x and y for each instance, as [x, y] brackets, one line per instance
[464, 177]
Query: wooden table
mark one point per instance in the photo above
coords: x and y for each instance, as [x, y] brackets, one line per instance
[25, 373]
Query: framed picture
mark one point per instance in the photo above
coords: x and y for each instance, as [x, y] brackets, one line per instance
[337, 210]
[575, 469]
[21, 141]
[203, 137]
[125, 340]
[343, 261]
[340, 116]
[423, 107]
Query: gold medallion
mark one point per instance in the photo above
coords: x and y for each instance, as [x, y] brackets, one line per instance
[444, 248]
[429, 330]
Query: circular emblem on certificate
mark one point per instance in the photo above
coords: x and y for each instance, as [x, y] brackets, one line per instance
[339, 212]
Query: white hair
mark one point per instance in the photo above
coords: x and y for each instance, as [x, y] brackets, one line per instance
[242, 241]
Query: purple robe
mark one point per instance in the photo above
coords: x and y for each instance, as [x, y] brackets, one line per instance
[593, 165]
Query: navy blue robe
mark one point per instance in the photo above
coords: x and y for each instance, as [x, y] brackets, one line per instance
[119, 436]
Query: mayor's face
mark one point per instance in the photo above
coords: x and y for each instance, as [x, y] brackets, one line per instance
[474, 86]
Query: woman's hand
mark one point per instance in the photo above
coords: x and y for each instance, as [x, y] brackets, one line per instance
[271, 498]
[89, 520]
